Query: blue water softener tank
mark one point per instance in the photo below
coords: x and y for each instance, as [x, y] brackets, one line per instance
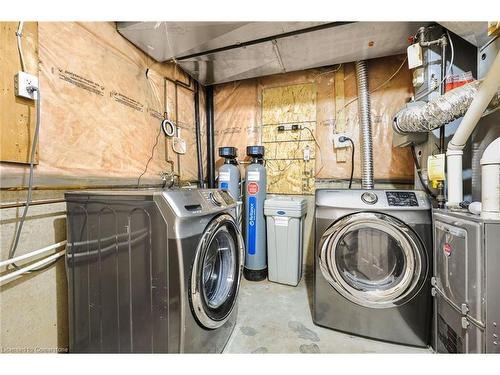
[229, 172]
[255, 195]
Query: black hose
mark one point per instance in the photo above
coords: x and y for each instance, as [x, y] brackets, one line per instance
[419, 173]
[344, 139]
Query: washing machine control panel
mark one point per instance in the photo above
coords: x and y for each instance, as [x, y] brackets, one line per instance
[217, 198]
[401, 198]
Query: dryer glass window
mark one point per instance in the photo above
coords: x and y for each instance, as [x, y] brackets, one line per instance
[219, 269]
[369, 259]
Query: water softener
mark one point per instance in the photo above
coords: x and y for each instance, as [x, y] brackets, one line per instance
[255, 195]
[229, 172]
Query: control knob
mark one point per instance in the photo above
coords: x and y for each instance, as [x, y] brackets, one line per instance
[369, 198]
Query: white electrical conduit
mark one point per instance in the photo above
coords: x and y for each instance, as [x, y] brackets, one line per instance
[32, 253]
[19, 34]
[487, 90]
[33, 266]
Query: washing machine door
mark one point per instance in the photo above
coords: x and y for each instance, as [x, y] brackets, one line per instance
[216, 272]
[373, 260]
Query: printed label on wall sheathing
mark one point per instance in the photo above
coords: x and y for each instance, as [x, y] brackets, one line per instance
[80, 81]
[156, 114]
[125, 100]
[287, 171]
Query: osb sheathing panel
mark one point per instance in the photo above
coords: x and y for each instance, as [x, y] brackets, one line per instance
[239, 105]
[287, 172]
[17, 115]
[100, 112]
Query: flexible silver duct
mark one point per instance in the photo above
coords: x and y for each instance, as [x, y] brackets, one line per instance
[365, 126]
[439, 111]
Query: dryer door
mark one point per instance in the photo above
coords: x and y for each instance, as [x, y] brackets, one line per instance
[216, 273]
[373, 260]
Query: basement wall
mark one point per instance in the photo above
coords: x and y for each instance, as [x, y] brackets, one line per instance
[100, 118]
[239, 114]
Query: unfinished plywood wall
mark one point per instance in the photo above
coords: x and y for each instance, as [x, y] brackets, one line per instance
[17, 115]
[287, 171]
[101, 111]
[238, 115]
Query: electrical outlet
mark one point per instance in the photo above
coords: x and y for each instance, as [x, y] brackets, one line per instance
[337, 143]
[25, 85]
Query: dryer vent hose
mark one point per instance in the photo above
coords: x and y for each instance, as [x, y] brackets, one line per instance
[365, 125]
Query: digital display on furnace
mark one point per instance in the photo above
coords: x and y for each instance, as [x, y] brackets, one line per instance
[401, 198]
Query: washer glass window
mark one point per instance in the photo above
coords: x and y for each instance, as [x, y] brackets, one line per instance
[219, 269]
[217, 272]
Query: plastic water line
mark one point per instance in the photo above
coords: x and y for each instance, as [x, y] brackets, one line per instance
[31, 254]
[32, 267]
[487, 90]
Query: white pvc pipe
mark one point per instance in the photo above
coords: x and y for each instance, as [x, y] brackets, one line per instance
[490, 181]
[32, 253]
[23, 270]
[488, 88]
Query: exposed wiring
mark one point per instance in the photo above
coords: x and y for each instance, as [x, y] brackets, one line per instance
[19, 34]
[376, 88]
[344, 139]
[17, 236]
[151, 157]
[329, 71]
[319, 148]
[419, 173]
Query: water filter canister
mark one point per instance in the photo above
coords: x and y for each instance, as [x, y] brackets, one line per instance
[255, 226]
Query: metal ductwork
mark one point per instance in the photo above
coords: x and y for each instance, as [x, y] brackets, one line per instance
[365, 125]
[439, 111]
[218, 52]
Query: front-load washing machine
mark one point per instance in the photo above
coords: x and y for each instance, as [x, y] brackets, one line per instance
[153, 271]
[373, 267]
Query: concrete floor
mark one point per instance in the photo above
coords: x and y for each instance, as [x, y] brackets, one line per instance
[275, 318]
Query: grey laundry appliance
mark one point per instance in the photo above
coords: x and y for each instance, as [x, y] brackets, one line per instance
[373, 264]
[152, 271]
[466, 283]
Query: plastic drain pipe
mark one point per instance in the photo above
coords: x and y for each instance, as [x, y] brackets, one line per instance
[490, 181]
[487, 90]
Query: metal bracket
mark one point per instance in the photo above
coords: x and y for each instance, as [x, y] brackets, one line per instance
[464, 308]
[465, 323]
[434, 292]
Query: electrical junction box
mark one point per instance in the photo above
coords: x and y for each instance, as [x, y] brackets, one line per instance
[24, 85]
[337, 143]
[415, 58]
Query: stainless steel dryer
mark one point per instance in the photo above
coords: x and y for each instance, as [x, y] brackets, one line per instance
[373, 259]
[153, 271]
